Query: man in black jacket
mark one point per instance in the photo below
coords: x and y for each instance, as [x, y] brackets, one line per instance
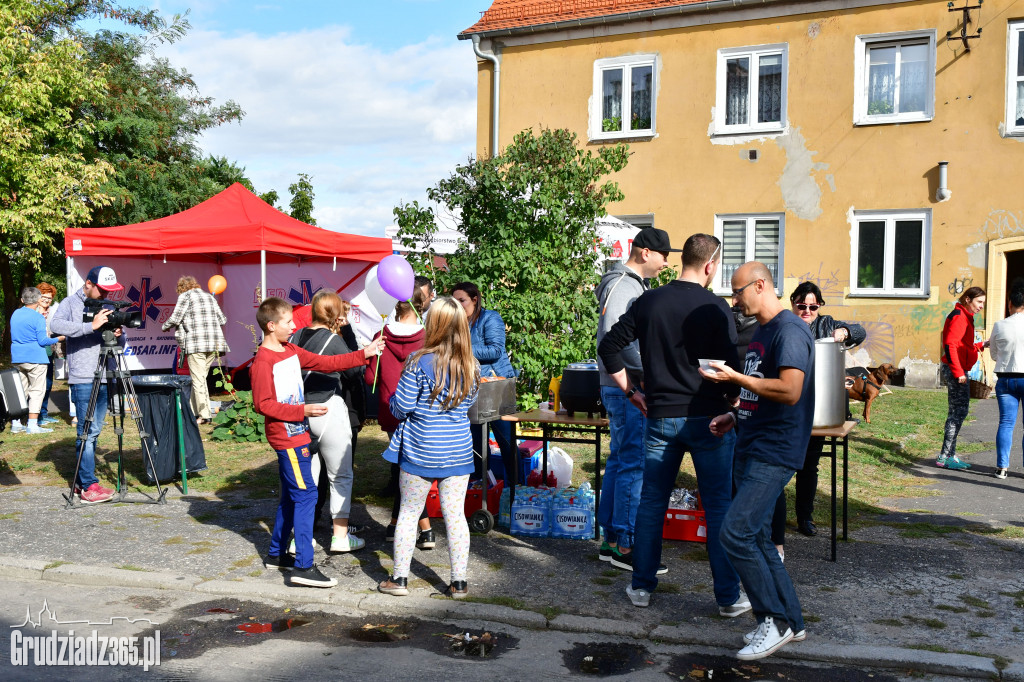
[676, 325]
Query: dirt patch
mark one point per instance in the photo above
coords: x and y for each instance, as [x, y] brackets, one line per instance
[606, 658]
[200, 627]
[701, 667]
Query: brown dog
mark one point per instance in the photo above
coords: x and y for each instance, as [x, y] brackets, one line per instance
[865, 386]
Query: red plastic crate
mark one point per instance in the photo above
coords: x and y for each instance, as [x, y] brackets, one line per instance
[685, 524]
[472, 500]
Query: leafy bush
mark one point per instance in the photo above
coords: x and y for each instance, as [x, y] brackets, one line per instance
[239, 422]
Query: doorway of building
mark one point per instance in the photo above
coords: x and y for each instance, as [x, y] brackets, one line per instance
[1014, 268]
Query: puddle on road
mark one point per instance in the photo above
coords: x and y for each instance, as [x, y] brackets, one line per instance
[279, 625]
[725, 669]
[606, 658]
[198, 628]
[377, 634]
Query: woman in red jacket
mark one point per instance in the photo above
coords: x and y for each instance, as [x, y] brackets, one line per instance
[959, 353]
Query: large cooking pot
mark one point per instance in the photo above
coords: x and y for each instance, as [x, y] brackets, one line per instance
[829, 383]
[580, 390]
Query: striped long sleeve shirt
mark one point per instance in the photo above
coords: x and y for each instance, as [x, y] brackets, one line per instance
[430, 442]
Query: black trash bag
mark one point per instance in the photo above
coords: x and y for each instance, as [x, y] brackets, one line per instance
[157, 405]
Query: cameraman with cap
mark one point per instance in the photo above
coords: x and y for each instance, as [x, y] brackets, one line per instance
[83, 352]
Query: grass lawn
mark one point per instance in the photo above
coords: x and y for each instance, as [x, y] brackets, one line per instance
[907, 428]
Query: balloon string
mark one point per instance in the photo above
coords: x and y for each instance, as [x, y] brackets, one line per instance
[418, 318]
[376, 371]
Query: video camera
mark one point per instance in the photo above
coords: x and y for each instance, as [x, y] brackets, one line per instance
[118, 318]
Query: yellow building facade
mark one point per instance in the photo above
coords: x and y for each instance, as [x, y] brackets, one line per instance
[808, 135]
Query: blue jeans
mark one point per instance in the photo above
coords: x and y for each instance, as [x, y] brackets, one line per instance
[43, 411]
[1009, 393]
[86, 474]
[746, 538]
[667, 440]
[624, 468]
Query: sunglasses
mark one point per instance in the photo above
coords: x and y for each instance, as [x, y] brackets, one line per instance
[739, 292]
[807, 306]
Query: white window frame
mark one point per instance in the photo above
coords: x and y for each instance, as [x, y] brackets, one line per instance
[860, 79]
[753, 52]
[890, 217]
[626, 63]
[1014, 30]
[723, 287]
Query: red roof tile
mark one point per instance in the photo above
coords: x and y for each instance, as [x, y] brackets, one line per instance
[511, 14]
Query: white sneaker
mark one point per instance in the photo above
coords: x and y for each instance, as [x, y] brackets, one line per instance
[798, 637]
[641, 598]
[291, 546]
[738, 608]
[1000, 473]
[348, 543]
[38, 429]
[17, 427]
[765, 641]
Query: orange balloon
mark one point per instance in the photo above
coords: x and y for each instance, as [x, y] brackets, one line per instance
[217, 284]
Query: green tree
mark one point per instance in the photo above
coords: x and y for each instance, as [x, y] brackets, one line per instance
[149, 125]
[301, 204]
[46, 181]
[529, 220]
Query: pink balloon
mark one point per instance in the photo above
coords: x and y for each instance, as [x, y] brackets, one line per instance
[396, 277]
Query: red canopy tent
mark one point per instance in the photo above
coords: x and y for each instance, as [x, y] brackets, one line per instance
[228, 234]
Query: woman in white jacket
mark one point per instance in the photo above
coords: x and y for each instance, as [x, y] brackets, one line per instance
[1007, 348]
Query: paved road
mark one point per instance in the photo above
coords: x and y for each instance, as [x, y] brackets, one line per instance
[200, 639]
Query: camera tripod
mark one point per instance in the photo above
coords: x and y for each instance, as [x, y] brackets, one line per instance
[119, 386]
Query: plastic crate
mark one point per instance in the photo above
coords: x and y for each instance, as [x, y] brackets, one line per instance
[685, 524]
[472, 500]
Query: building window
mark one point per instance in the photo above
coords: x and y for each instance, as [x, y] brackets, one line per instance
[624, 97]
[751, 89]
[890, 253]
[1015, 80]
[746, 238]
[895, 77]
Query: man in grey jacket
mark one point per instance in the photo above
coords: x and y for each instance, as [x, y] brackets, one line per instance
[83, 353]
[624, 469]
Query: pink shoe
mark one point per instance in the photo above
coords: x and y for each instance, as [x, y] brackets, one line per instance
[95, 494]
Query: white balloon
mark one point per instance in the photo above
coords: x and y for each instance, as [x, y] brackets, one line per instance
[381, 300]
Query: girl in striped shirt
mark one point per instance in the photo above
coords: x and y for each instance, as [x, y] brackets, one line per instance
[433, 441]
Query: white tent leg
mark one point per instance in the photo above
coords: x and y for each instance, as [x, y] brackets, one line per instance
[70, 267]
[263, 275]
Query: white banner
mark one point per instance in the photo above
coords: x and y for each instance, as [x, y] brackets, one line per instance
[151, 284]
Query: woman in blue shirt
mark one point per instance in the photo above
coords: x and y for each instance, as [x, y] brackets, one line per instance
[487, 332]
[29, 340]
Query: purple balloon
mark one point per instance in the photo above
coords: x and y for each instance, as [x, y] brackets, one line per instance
[396, 277]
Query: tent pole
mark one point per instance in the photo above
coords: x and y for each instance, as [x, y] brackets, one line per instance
[263, 275]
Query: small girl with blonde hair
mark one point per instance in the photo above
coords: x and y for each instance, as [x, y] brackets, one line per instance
[433, 442]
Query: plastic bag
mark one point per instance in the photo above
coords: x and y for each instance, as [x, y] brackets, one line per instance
[560, 463]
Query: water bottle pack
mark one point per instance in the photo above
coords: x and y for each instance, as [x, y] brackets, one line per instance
[572, 513]
[543, 512]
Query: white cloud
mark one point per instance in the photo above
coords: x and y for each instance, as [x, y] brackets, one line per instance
[373, 127]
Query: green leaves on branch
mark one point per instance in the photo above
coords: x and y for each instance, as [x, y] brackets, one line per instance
[528, 216]
[239, 422]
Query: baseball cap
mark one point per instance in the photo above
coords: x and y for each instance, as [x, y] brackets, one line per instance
[654, 239]
[104, 278]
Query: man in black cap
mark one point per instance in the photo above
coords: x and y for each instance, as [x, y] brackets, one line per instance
[677, 325]
[83, 340]
[623, 477]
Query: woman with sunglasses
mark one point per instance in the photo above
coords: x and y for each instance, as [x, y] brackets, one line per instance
[807, 300]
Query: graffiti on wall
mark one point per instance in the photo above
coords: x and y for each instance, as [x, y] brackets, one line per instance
[829, 281]
[959, 285]
[1002, 223]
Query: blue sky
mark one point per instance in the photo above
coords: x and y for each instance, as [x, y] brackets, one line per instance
[376, 100]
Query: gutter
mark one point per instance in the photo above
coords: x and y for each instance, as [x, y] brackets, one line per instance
[495, 90]
[692, 8]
